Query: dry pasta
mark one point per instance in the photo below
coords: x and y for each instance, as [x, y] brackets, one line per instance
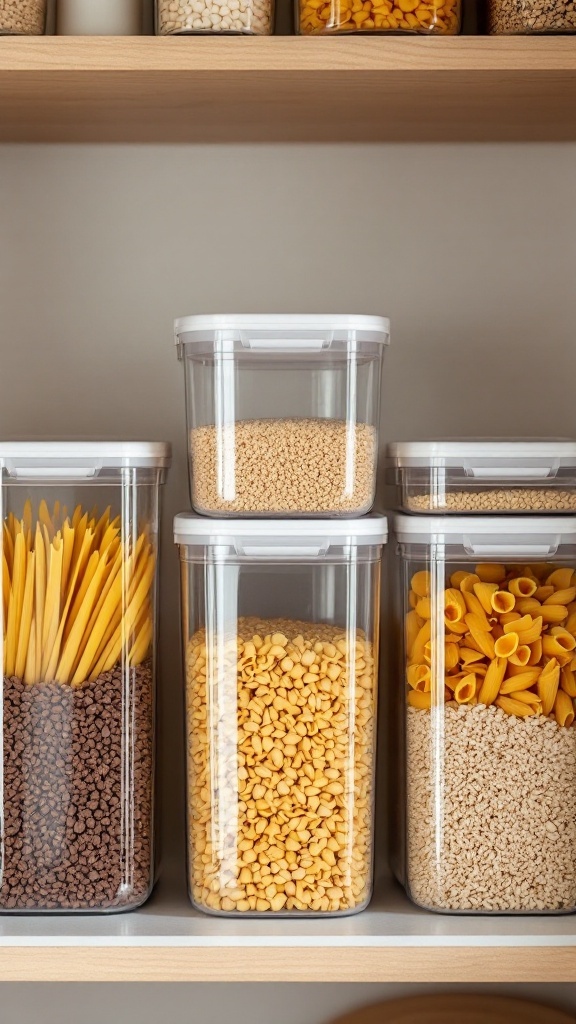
[508, 638]
[74, 595]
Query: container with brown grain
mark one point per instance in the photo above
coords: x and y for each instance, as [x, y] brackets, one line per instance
[280, 627]
[80, 535]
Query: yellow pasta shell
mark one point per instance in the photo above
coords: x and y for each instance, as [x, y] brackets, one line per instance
[491, 572]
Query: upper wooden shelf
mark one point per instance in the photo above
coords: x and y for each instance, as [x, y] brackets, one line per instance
[288, 89]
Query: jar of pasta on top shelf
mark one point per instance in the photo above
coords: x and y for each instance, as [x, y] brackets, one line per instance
[420, 17]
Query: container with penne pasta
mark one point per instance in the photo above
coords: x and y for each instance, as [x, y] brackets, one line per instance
[79, 574]
[485, 476]
[488, 685]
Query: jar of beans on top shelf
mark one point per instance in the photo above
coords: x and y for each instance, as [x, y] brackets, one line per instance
[233, 17]
[523, 17]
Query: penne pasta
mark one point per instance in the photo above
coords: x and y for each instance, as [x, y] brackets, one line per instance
[506, 645]
[561, 579]
[492, 681]
[413, 625]
[491, 572]
[547, 685]
[523, 586]
[416, 699]
[475, 608]
[563, 709]
[564, 597]
[531, 633]
[421, 583]
[424, 608]
[553, 614]
[465, 690]
[458, 577]
[418, 647]
[568, 681]
[514, 707]
[467, 584]
[521, 656]
[485, 592]
[502, 602]
[529, 698]
[536, 649]
[468, 656]
[528, 606]
[522, 681]
[479, 637]
[543, 593]
[455, 607]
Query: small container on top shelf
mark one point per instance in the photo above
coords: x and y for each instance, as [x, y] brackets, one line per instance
[526, 17]
[485, 476]
[23, 17]
[280, 631]
[235, 17]
[487, 691]
[282, 413]
[99, 17]
[420, 17]
[80, 555]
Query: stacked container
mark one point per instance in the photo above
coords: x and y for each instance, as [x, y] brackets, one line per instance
[488, 674]
[280, 602]
[80, 553]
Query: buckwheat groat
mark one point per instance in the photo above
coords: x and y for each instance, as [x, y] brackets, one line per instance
[22, 17]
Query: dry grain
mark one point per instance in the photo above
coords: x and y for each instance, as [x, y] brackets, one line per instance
[497, 499]
[491, 810]
[509, 17]
[22, 17]
[280, 801]
[284, 466]
[251, 17]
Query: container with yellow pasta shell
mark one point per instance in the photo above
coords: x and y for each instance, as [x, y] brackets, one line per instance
[488, 685]
[421, 17]
[79, 573]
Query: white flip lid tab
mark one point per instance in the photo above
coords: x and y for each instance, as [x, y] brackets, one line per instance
[512, 458]
[489, 536]
[280, 332]
[75, 460]
[273, 537]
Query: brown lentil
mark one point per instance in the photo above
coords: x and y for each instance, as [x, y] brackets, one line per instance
[279, 801]
[499, 833]
[510, 499]
[290, 466]
[22, 17]
[69, 844]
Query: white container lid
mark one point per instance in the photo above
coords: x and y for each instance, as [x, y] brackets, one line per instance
[507, 451]
[489, 536]
[81, 458]
[263, 331]
[191, 529]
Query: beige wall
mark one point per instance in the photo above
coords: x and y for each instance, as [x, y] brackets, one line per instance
[470, 250]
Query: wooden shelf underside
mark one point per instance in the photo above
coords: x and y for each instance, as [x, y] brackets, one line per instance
[288, 89]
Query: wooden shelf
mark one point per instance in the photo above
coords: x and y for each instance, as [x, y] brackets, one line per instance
[392, 941]
[287, 89]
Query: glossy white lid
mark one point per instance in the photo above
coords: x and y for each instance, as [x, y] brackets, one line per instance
[426, 453]
[193, 529]
[111, 454]
[371, 328]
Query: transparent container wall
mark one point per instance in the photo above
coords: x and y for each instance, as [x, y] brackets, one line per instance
[23, 18]
[79, 590]
[489, 687]
[281, 679]
[420, 17]
[237, 17]
[284, 434]
[452, 489]
[525, 17]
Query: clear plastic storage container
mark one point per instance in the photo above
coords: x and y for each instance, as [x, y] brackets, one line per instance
[23, 17]
[283, 413]
[486, 476]
[531, 17]
[488, 687]
[280, 629]
[415, 17]
[80, 553]
[236, 17]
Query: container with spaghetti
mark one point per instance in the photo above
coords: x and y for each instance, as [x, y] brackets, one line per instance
[79, 576]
